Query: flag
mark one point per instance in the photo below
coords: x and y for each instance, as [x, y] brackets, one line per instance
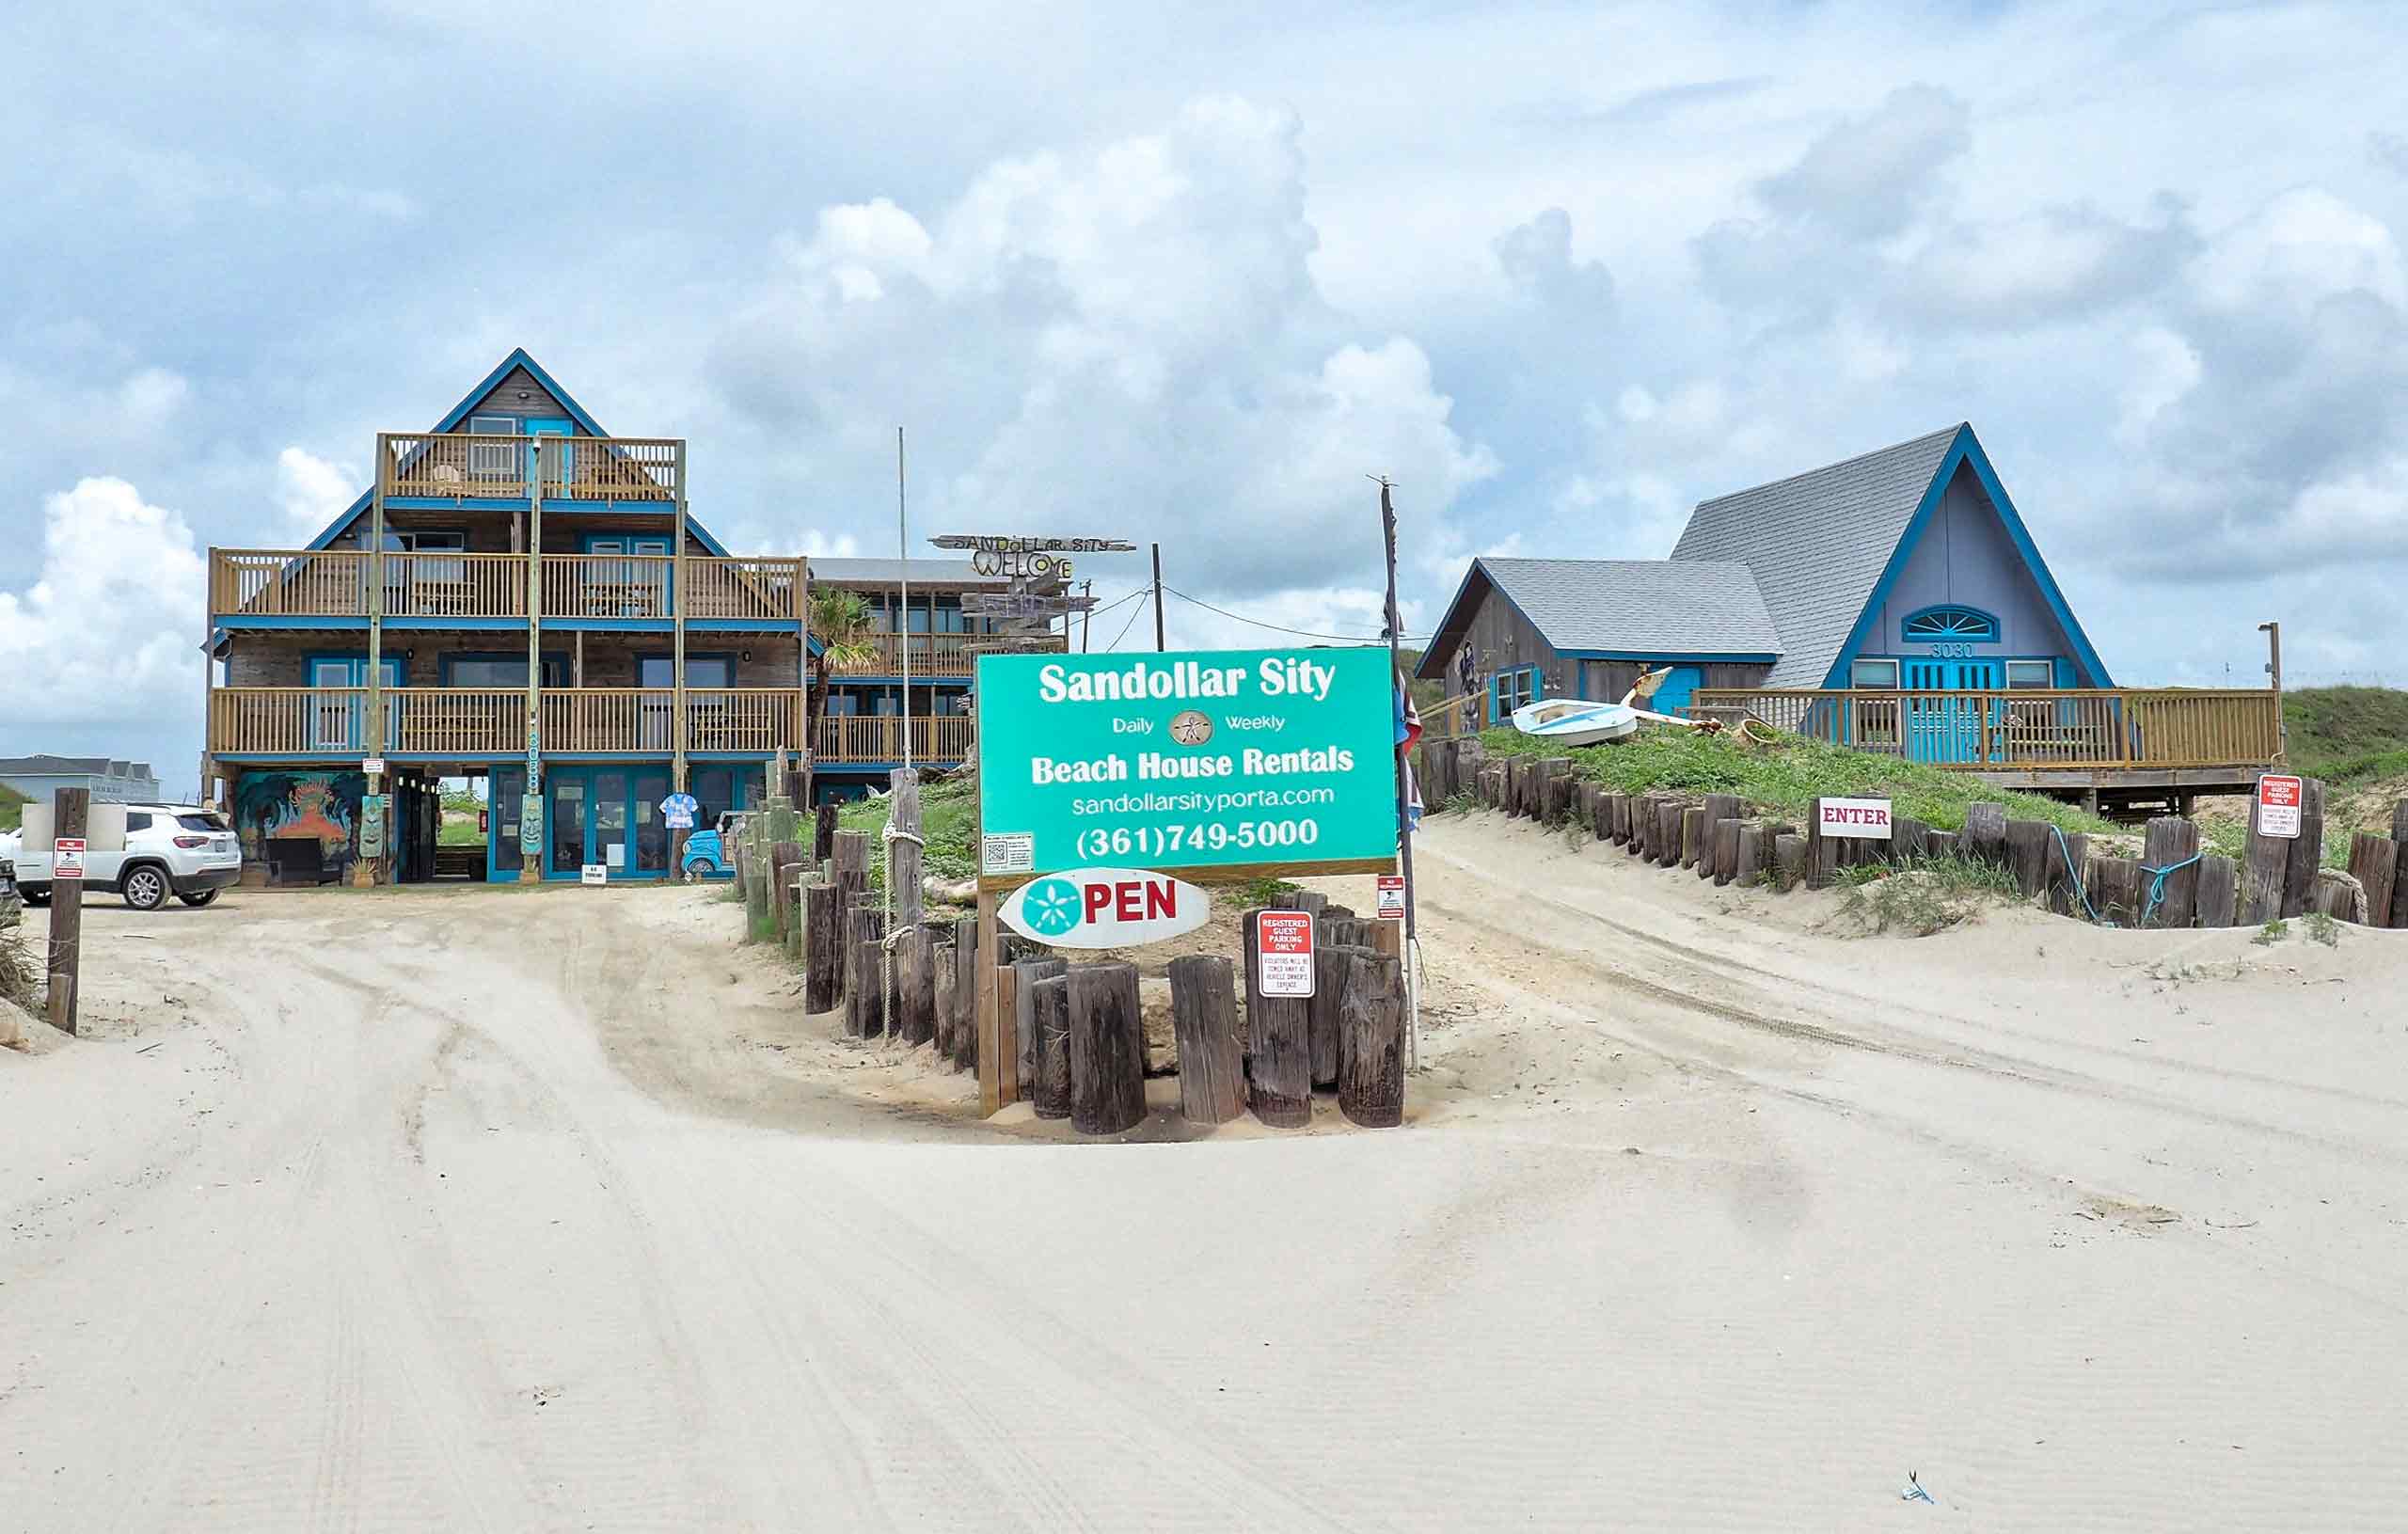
[1408, 718]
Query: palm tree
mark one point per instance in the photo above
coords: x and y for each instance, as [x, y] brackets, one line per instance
[840, 622]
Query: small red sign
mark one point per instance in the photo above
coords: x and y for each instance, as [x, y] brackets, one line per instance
[1392, 895]
[2279, 797]
[67, 857]
[1283, 949]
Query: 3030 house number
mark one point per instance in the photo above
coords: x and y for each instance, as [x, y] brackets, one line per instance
[1953, 650]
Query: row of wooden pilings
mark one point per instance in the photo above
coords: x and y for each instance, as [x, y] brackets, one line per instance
[1082, 1047]
[1722, 838]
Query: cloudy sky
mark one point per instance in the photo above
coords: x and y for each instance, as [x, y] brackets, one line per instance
[1558, 270]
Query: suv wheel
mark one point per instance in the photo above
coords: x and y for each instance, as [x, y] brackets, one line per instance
[144, 888]
[198, 898]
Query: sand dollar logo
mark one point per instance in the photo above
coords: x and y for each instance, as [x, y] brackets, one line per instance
[1192, 728]
[1052, 906]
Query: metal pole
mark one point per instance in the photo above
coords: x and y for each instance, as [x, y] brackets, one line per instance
[533, 838]
[1404, 814]
[2273, 633]
[375, 732]
[903, 576]
[1086, 619]
[677, 623]
[1159, 646]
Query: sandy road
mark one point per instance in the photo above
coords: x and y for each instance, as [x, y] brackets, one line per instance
[511, 1211]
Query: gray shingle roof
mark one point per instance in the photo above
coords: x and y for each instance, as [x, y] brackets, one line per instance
[1640, 607]
[1819, 543]
[885, 571]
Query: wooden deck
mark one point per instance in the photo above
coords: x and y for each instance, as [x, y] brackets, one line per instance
[2167, 738]
[450, 466]
[263, 584]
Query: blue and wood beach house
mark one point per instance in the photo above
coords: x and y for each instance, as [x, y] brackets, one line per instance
[1894, 602]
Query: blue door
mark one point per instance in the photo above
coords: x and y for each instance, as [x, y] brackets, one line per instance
[1948, 729]
[1672, 694]
[558, 470]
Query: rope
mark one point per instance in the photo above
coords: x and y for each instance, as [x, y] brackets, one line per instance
[2075, 875]
[2157, 885]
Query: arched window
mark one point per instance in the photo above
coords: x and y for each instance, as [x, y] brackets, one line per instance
[1950, 623]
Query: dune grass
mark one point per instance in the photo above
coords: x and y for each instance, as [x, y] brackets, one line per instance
[1790, 775]
[12, 808]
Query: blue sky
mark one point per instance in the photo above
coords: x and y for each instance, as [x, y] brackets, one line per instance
[1558, 270]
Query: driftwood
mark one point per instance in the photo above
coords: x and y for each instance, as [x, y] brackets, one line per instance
[1204, 1016]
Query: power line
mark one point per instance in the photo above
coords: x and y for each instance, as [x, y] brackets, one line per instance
[1281, 628]
[1134, 614]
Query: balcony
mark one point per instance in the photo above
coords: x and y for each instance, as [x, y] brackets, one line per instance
[479, 724]
[932, 656]
[457, 466]
[258, 587]
[2104, 731]
[470, 724]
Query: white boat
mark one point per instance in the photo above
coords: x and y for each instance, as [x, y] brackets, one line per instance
[1576, 722]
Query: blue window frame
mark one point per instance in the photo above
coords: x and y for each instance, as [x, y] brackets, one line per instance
[1511, 689]
[1949, 622]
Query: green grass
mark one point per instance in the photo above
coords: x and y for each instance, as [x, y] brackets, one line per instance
[2348, 734]
[12, 808]
[459, 833]
[1789, 776]
[1929, 896]
[948, 829]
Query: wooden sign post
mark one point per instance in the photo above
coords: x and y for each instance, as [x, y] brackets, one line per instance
[71, 810]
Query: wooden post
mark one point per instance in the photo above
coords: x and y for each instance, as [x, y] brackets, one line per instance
[1322, 1009]
[1107, 1050]
[1026, 972]
[906, 856]
[2172, 839]
[2218, 891]
[1601, 813]
[1050, 1093]
[2115, 890]
[2400, 865]
[1726, 851]
[823, 963]
[1668, 817]
[960, 1013]
[1822, 853]
[1753, 849]
[1789, 856]
[1280, 1055]
[2308, 851]
[998, 1029]
[1695, 837]
[1909, 840]
[823, 834]
[1985, 838]
[2338, 895]
[2374, 862]
[865, 977]
[2029, 845]
[69, 816]
[2265, 865]
[1204, 1016]
[1555, 788]
[915, 984]
[1371, 1082]
[786, 861]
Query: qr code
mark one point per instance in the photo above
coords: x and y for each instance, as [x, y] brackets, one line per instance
[1012, 852]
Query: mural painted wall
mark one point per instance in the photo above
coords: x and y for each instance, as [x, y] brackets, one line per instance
[323, 807]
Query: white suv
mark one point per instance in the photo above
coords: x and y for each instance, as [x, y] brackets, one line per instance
[173, 849]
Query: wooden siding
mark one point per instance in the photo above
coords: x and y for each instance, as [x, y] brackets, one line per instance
[503, 399]
[1502, 640]
[1607, 680]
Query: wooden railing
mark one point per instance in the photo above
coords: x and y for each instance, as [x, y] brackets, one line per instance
[477, 722]
[879, 737]
[334, 583]
[459, 466]
[607, 585]
[932, 654]
[740, 586]
[2101, 730]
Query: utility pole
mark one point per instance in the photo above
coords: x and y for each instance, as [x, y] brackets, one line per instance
[70, 809]
[1403, 804]
[1159, 646]
[1086, 617]
[2273, 633]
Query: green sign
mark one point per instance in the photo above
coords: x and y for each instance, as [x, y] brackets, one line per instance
[1193, 760]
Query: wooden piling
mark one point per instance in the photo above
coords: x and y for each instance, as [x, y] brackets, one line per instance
[1789, 857]
[915, 984]
[1322, 1012]
[1280, 1055]
[2218, 891]
[1726, 850]
[1370, 1082]
[1601, 813]
[1940, 843]
[2374, 864]
[1752, 855]
[2067, 866]
[1909, 840]
[1696, 834]
[905, 854]
[2115, 890]
[785, 861]
[2307, 850]
[2265, 865]
[70, 812]
[1026, 972]
[823, 948]
[823, 834]
[866, 971]
[1050, 1093]
[2029, 845]
[2338, 895]
[1107, 1050]
[1204, 1017]
[1985, 836]
[1554, 789]
[2171, 840]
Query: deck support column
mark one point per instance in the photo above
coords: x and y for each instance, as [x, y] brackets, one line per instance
[677, 622]
[363, 870]
[533, 835]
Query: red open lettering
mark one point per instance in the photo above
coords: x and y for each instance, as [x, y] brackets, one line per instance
[1162, 900]
[1098, 897]
[1124, 896]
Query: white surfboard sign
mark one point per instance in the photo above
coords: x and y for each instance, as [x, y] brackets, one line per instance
[1105, 908]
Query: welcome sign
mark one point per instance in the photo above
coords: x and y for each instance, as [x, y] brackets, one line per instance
[1188, 761]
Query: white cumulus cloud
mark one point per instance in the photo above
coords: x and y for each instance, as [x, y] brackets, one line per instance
[312, 491]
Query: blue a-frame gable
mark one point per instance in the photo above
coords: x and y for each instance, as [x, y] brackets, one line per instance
[469, 402]
[1966, 451]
